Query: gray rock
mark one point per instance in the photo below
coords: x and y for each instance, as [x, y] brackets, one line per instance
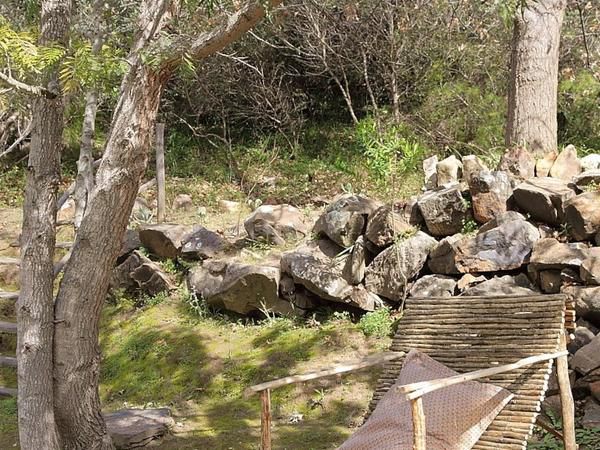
[164, 240]
[566, 165]
[583, 215]
[295, 294]
[444, 211]
[506, 285]
[581, 337]
[472, 166]
[549, 253]
[391, 270]
[590, 162]
[591, 414]
[442, 258]
[121, 274]
[433, 286]
[385, 225]
[411, 212]
[276, 224]
[151, 279]
[202, 243]
[543, 165]
[589, 177]
[183, 202]
[590, 270]
[429, 169]
[587, 357]
[587, 302]
[356, 263]
[544, 198]
[133, 428]
[344, 220]
[448, 171]
[500, 219]
[131, 242]
[519, 162]
[490, 192]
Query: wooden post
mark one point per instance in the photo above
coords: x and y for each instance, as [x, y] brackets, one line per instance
[265, 420]
[566, 398]
[160, 171]
[418, 418]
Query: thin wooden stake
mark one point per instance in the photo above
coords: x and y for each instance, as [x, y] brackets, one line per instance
[566, 398]
[265, 420]
[418, 418]
[160, 171]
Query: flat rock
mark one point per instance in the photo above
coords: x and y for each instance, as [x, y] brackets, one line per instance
[202, 243]
[549, 253]
[385, 225]
[151, 279]
[587, 357]
[590, 162]
[472, 166]
[133, 428]
[519, 162]
[501, 219]
[276, 224]
[587, 302]
[389, 273]
[344, 220]
[468, 280]
[544, 198]
[543, 165]
[448, 171]
[566, 165]
[590, 270]
[444, 211]
[131, 242]
[505, 285]
[429, 170]
[490, 192]
[587, 178]
[583, 215]
[433, 286]
[164, 240]
[582, 336]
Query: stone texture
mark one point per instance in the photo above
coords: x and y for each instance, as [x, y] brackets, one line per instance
[448, 171]
[444, 211]
[442, 257]
[587, 357]
[472, 166]
[587, 302]
[500, 219]
[411, 212]
[490, 192]
[131, 241]
[590, 162]
[164, 240]
[202, 243]
[543, 198]
[433, 286]
[550, 281]
[429, 170]
[356, 263]
[549, 253]
[391, 270]
[583, 215]
[276, 224]
[344, 220]
[519, 162]
[567, 164]
[183, 202]
[468, 280]
[581, 337]
[385, 225]
[543, 165]
[505, 285]
[590, 270]
[295, 294]
[133, 428]
[585, 179]
[151, 279]
[229, 206]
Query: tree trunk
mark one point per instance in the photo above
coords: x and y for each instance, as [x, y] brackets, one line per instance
[35, 307]
[532, 97]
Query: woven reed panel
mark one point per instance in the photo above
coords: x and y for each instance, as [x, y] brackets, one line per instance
[471, 333]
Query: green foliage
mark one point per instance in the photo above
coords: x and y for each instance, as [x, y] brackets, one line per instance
[8, 415]
[12, 185]
[377, 323]
[469, 226]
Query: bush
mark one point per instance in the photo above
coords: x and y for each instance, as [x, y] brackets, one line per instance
[377, 323]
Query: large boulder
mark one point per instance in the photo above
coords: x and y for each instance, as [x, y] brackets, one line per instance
[591, 415]
[391, 270]
[433, 286]
[544, 198]
[543, 165]
[590, 162]
[164, 240]
[448, 171]
[566, 165]
[519, 162]
[356, 263]
[241, 288]
[472, 166]
[344, 220]
[138, 273]
[490, 192]
[134, 428]
[385, 225]
[505, 247]
[590, 270]
[444, 211]
[183, 202]
[583, 215]
[202, 243]
[549, 253]
[276, 223]
[505, 285]
[587, 301]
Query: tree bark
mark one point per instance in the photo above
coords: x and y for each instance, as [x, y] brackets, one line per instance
[532, 97]
[35, 318]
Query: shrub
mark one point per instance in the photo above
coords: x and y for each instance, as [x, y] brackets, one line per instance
[377, 323]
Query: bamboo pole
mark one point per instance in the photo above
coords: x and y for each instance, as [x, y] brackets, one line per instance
[265, 420]
[418, 418]
[160, 171]
[566, 398]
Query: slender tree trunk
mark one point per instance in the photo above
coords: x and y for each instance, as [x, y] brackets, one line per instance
[532, 98]
[35, 308]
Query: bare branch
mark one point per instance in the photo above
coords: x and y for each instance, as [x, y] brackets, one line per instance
[36, 90]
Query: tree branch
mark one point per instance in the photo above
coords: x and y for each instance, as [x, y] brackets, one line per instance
[36, 90]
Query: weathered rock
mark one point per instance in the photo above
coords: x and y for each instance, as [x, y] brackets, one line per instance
[567, 164]
[505, 247]
[595, 390]
[385, 225]
[133, 428]
[121, 274]
[590, 270]
[582, 336]
[183, 201]
[489, 192]
[587, 357]
[229, 206]
[151, 279]
[519, 162]
[583, 215]
[202, 243]
[468, 280]
[240, 288]
[590, 162]
[448, 171]
[412, 213]
[429, 169]
[550, 281]
[164, 240]
[472, 165]
[544, 198]
[543, 165]
[551, 405]
[344, 220]
[549, 253]
[354, 269]
[131, 242]
[444, 211]
[506, 285]
[276, 223]
[585, 179]
[391, 270]
[587, 302]
[501, 219]
[433, 286]
[295, 294]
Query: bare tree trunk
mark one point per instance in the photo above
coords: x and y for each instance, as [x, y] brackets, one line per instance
[532, 98]
[35, 307]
